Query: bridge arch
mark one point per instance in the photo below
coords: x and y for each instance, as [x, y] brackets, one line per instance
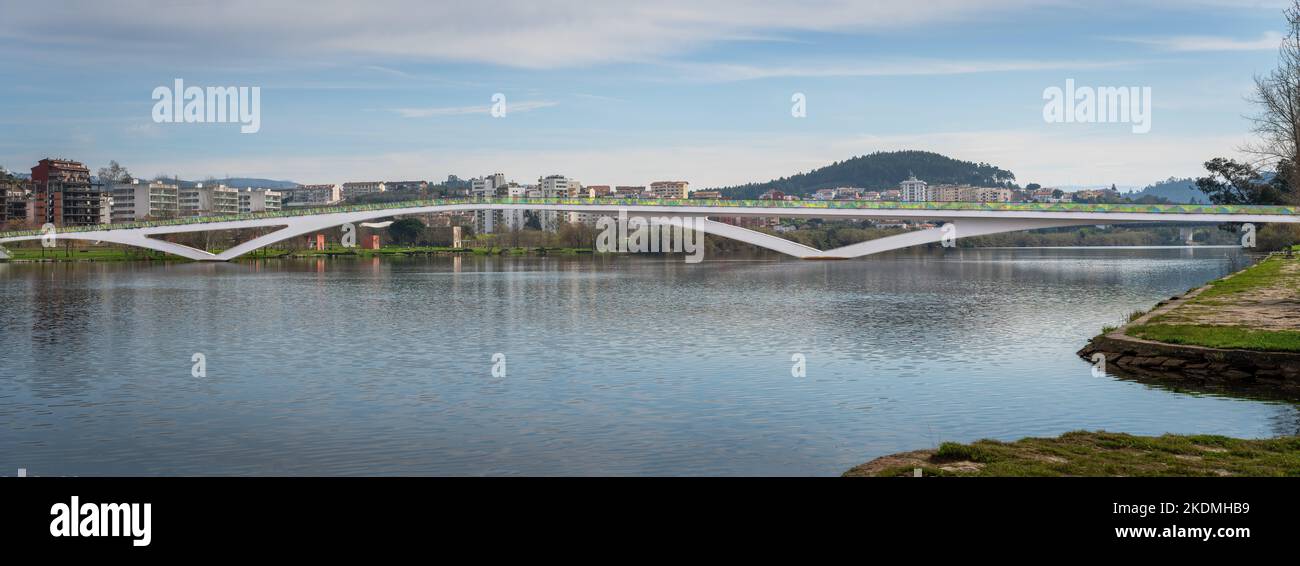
[966, 224]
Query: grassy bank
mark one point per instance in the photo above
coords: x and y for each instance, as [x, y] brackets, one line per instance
[1255, 309]
[1097, 454]
[88, 254]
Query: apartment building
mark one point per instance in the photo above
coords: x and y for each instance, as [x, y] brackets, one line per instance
[355, 189]
[629, 191]
[311, 195]
[913, 190]
[64, 194]
[486, 187]
[260, 200]
[144, 200]
[211, 200]
[552, 186]
[670, 189]
[14, 204]
[421, 187]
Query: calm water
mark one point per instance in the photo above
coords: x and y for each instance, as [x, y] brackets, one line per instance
[627, 365]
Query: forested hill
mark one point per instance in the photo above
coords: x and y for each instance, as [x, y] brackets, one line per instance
[881, 171]
[1174, 189]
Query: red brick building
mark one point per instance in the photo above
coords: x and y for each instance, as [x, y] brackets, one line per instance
[64, 194]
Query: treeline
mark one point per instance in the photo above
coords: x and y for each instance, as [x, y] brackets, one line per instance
[1093, 236]
[882, 171]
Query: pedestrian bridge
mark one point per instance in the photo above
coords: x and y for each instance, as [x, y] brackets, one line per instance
[965, 219]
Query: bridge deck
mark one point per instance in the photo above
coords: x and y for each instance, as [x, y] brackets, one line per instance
[722, 207]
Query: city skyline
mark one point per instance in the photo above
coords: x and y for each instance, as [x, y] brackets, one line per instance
[620, 95]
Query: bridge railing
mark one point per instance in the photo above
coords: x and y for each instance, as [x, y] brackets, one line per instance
[709, 203]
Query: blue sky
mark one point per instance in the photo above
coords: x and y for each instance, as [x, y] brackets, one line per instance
[627, 93]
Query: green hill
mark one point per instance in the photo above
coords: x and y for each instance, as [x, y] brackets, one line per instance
[1174, 189]
[881, 171]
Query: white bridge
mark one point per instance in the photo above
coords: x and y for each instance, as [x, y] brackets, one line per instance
[973, 219]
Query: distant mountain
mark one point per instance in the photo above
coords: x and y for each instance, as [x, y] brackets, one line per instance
[1177, 190]
[250, 183]
[881, 171]
[236, 182]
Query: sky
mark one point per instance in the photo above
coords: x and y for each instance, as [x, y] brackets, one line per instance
[629, 92]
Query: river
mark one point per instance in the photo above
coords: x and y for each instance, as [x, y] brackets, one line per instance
[607, 365]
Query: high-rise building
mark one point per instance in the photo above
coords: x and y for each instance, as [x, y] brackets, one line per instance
[260, 200]
[552, 186]
[491, 186]
[670, 189]
[64, 194]
[913, 189]
[137, 200]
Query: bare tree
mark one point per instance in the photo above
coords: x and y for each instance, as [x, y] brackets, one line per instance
[1278, 121]
[114, 173]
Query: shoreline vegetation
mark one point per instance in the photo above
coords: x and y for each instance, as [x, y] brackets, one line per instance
[1242, 330]
[1257, 308]
[1096, 454]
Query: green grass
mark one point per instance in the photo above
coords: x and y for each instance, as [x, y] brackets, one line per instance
[1231, 337]
[1170, 329]
[1263, 274]
[1108, 454]
[88, 254]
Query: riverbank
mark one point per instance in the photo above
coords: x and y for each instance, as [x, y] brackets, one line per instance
[1097, 454]
[1241, 330]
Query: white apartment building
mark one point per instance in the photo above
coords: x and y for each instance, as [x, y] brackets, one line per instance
[312, 195]
[260, 200]
[208, 201]
[494, 185]
[670, 189]
[356, 189]
[913, 190]
[137, 201]
[486, 187]
[552, 186]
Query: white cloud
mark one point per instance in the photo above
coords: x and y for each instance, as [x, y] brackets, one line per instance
[525, 106]
[519, 33]
[1267, 41]
[882, 68]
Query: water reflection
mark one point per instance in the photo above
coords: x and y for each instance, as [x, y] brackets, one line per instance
[620, 365]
